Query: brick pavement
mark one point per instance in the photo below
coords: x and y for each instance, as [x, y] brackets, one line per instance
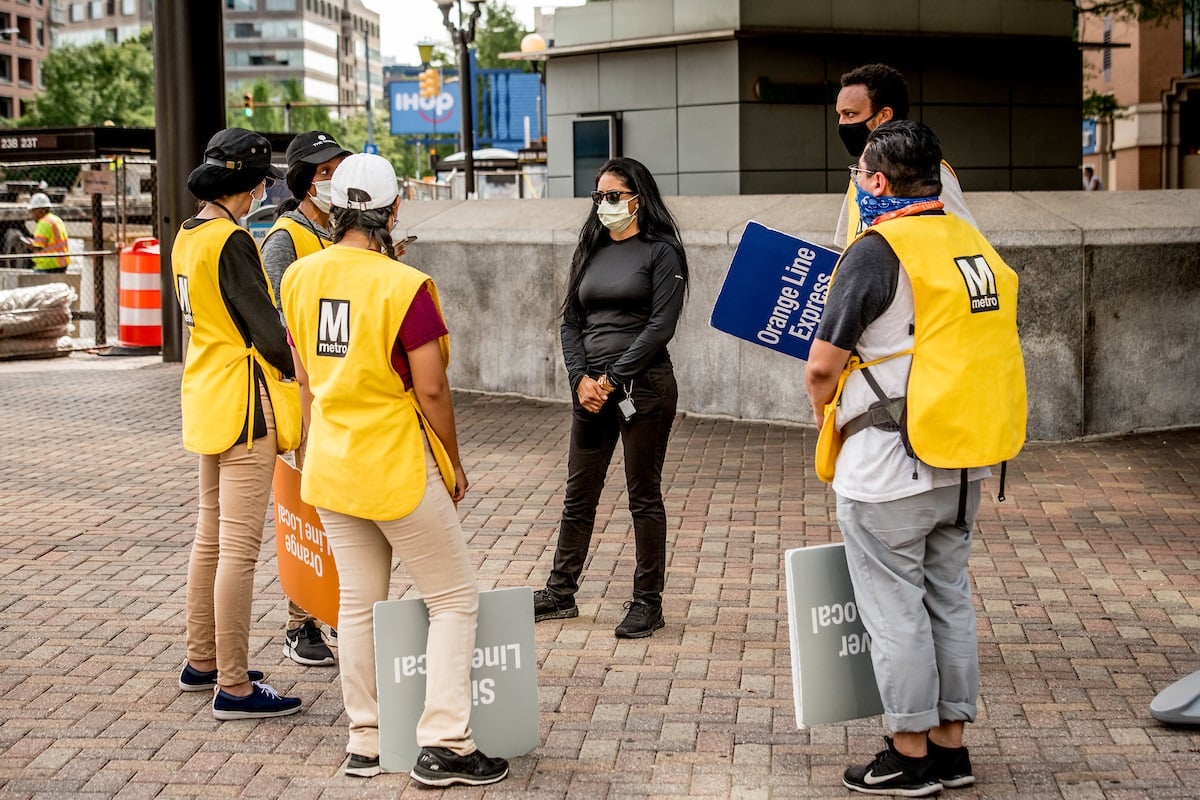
[1087, 585]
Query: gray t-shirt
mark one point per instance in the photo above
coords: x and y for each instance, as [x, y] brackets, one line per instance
[279, 251]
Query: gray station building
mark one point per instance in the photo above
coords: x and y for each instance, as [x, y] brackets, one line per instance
[726, 97]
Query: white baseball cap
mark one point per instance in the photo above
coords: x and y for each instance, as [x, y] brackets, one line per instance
[364, 181]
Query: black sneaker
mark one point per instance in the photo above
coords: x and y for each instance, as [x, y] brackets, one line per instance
[306, 645]
[437, 766]
[547, 606]
[362, 766]
[193, 680]
[951, 766]
[262, 702]
[894, 774]
[641, 620]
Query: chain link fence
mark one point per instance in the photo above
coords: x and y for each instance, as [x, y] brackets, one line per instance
[106, 204]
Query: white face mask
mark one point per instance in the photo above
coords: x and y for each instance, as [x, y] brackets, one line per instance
[616, 216]
[323, 199]
[256, 202]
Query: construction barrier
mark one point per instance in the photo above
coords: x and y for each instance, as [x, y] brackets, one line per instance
[140, 307]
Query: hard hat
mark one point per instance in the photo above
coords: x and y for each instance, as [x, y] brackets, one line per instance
[38, 200]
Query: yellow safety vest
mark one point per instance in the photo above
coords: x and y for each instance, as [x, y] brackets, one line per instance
[50, 242]
[304, 239]
[344, 307]
[966, 404]
[219, 393]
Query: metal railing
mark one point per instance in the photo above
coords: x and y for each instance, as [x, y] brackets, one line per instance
[105, 203]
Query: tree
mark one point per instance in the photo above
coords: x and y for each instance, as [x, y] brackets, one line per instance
[499, 33]
[95, 84]
[1140, 10]
[351, 133]
[269, 114]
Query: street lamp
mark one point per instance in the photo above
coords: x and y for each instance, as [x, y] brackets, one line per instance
[533, 46]
[462, 38]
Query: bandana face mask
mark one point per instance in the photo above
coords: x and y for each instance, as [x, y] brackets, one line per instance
[871, 208]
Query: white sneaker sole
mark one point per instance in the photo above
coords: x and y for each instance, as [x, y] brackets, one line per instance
[308, 662]
[226, 715]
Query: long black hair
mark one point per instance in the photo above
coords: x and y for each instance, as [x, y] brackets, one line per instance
[374, 223]
[654, 220]
[299, 177]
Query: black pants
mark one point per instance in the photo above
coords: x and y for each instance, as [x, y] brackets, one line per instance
[644, 440]
[54, 270]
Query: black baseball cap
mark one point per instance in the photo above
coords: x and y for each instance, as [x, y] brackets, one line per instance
[314, 147]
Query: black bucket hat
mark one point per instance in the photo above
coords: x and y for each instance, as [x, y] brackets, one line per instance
[235, 161]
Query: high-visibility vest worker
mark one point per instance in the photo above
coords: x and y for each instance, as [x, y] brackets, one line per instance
[49, 236]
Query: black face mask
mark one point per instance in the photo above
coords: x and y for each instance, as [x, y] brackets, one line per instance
[854, 137]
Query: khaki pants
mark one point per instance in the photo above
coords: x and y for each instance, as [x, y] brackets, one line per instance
[234, 489]
[430, 544]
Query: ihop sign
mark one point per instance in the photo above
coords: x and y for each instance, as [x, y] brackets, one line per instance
[413, 114]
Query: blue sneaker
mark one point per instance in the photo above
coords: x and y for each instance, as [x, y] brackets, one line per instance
[193, 680]
[263, 701]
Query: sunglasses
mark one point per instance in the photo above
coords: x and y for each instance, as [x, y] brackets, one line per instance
[611, 198]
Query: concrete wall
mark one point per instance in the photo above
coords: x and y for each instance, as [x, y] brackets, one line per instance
[1109, 314]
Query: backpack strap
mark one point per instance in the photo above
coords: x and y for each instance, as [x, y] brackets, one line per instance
[897, 408]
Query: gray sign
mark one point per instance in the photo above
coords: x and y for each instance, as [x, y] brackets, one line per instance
[504, 719]
[832, 676]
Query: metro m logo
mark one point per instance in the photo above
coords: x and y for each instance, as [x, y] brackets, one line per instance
[185, 300]
[333, 328]
[981, 283]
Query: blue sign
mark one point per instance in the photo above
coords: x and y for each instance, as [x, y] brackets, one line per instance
[1089, 136]
[774, 291]
[413, 114]
[372, 148]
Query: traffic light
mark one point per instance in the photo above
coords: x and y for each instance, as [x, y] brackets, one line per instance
[429, 82]
[248, 101]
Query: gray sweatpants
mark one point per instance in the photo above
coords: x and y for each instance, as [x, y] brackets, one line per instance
[908, 564]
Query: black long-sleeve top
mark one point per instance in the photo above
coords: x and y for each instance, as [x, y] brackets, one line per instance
[629, 303]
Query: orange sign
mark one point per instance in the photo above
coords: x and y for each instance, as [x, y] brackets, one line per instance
[306, 567]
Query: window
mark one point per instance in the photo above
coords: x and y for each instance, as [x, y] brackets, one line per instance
[1191, 37]
[5, 72]
[96, 9]
[263, 58]
[110, 36]
[40, 33]
[6, 107]
[77, 12]
[241, 5]
[5, 22]
[596, 140]
[128, 7]
[111, 8]
[244, 30]
[25, 72]
[1108, 22]
[281, 5]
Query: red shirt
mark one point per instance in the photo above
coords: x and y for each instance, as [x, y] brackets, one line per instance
[422, 325]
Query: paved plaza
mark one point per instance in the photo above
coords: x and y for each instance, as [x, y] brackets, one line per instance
[1087, 585]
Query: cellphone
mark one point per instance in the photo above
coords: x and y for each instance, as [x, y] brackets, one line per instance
[407, 241]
